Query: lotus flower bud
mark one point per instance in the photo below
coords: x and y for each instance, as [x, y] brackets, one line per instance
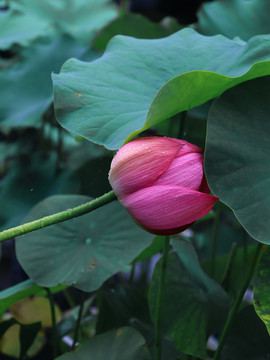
[161, 183]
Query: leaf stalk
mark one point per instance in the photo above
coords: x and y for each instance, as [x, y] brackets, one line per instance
[58, 217]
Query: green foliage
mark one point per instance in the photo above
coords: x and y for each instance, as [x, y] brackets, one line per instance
[28, 333]
[133, 86]
[231, 269]
[235, 18]
[154, 248]
[28, 181]
[27, 20]
[164, 86]
[191, 297]
[247, 339]
[119, 345]
[81, 252]
[29, 83]
[123, 305]
[237, 154]
[134, 25]
[22, 290]
[229, 234]
[261, 289]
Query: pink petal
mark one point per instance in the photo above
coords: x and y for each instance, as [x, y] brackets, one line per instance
[167, 207]
[187, 148]
[186, 171]
[204, 186]
[139, 163]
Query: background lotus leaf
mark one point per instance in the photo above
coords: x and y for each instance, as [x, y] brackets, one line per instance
[234, 18]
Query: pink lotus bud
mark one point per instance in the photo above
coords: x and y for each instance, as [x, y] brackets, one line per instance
[161, 183]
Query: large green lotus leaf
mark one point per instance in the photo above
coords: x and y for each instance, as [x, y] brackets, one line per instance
[134, 25]
[26, 89]
[247, 338]
[26, 20]
[235, 18]
[138, 83]
[83, 252]
[262, 289]
[191, 301]
[238, 154]
[123, 344]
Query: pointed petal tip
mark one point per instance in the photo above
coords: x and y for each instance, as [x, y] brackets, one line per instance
[167, 207]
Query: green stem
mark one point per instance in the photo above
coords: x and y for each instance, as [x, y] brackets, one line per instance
[58, 217]
[160, 297]
[214, 242]
[132, 273]
[54, 332]
[77, 328]
[245, 241]
[41, 136]
[59, 148]
[226, 279]
[69, 299]
[238, 300]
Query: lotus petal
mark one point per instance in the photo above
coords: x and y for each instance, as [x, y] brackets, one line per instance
[163, 207]
[186, 171]
[139, 163]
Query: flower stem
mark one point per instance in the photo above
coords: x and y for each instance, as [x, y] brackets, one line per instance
[54, 332]
[238, 300]
[68, 298]
[58, 217]
[77, 328]
[160, 297]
